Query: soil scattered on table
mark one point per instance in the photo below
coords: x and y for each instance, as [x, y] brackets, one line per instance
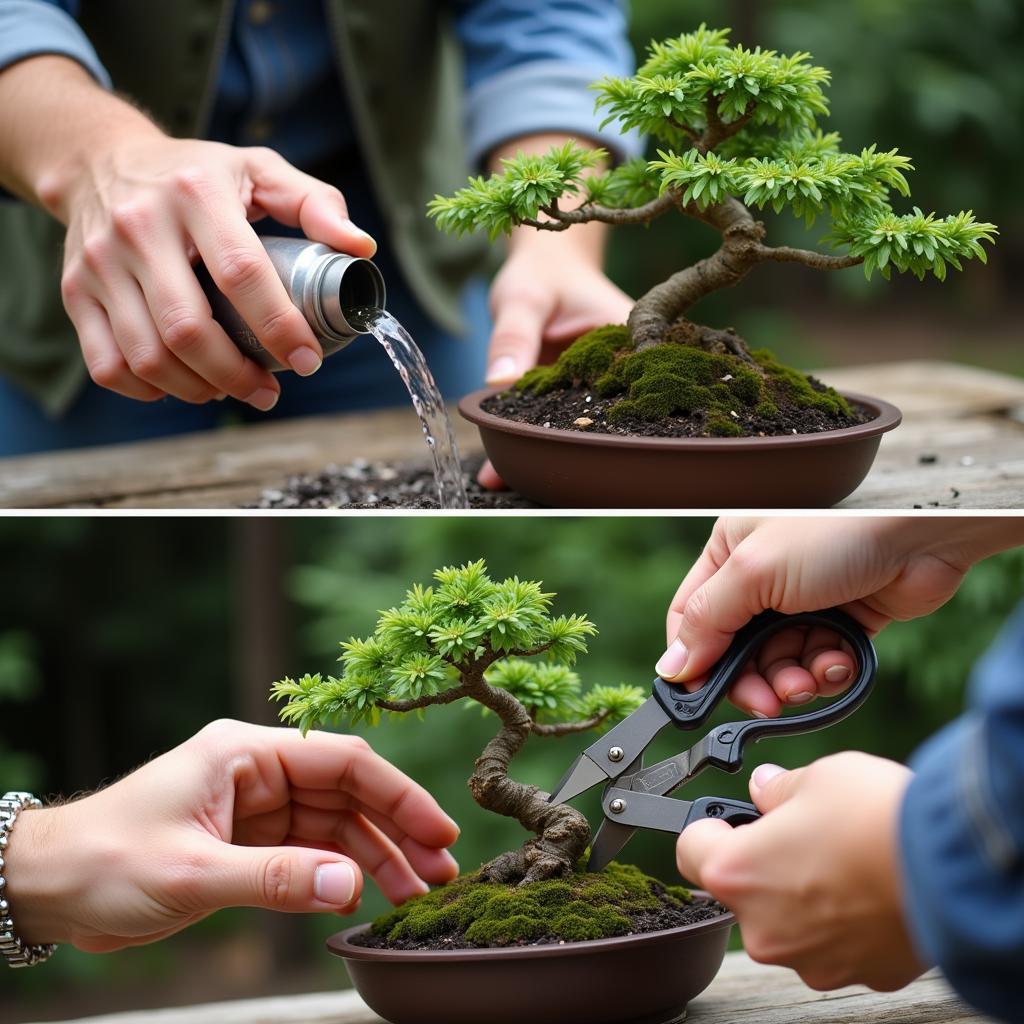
[362, 484]
[470, 914]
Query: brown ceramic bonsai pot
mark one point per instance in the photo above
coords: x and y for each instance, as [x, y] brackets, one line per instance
[635, 979]
[575, 469]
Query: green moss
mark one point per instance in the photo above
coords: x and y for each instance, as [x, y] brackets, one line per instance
[796, 387]
[679, 893]
[718, 425]
[680, 380]
[583, 906]
[504, 931]
[583, 362]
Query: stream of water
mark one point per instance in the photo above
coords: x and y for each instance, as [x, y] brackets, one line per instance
[428, 403]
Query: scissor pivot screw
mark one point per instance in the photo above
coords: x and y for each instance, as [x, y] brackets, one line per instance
[617, 806]
[615, 754]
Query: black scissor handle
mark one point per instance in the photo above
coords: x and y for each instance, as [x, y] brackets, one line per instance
[735, 812]
[723, 746]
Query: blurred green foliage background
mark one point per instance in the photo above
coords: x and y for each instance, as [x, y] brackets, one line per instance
[121, 638]
[943, 81]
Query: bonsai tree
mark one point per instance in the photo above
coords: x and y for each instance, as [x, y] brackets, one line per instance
[495, 643]
[739, 133]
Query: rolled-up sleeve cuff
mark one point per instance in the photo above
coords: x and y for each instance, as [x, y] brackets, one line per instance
[541, 96]
[29, 28]
[961, 869]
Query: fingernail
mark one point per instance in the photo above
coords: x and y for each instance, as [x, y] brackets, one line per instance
[764, 773]
[452, 862]
[335, 883]
[759, 714]
[304, 361]
[837, 674]
[263, 399]
[502, 371]
[799, 698]
[351, 227]
[672, 662]
[455, 825]
[220, 396]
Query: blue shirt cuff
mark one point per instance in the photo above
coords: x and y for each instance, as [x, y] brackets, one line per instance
[540, 96]
[961, 865]
[31, 28]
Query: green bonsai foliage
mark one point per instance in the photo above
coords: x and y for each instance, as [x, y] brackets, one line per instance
[739, 133]
[493, 642]
[581, 906]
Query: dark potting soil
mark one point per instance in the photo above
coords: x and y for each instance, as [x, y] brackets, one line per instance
[380, 485]
[669, 915]
[563, 408]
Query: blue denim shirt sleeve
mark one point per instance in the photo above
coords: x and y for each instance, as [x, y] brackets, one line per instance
[29, 28]
[529, 65]
[962, 837]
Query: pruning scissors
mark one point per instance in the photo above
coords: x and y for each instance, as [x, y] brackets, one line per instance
[637, 797]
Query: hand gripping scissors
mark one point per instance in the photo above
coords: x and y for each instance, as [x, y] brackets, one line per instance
[637, 797]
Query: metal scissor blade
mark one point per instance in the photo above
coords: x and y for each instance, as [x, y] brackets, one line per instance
[582, 774]
[611, 837]
[613, 754]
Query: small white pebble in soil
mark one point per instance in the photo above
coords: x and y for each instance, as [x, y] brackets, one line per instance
[727, 377]
[547, 423]
[583, 421]
[735, 415]
[967, 460]
[794, 430]
[589, 399]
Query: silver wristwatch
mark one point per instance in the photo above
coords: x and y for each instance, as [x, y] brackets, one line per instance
[16, 952]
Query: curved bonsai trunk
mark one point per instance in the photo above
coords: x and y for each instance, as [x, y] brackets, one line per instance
[658, 316]
[562, 833]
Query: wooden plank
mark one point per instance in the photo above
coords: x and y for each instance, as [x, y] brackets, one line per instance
[747, 991]
[970, 418]
[316, 1008]
[232, 464]
[923, 387]
[743, 991]
[971, 463]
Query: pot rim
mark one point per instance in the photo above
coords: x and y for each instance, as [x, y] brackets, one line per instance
[886, 417]
[340, 944]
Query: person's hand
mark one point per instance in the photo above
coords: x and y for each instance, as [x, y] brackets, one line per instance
[815, 884]
[876, 569]
[139, 213]
[549, 291]
[239, 815]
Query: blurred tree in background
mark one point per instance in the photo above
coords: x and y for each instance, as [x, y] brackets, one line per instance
[940, 79]
[140, 631]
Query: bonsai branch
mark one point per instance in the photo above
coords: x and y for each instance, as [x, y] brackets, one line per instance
[562, 833]
[567, 728]
[717, 130]
[809, 258]
[454, 693]
[659, 315]
[562, 220]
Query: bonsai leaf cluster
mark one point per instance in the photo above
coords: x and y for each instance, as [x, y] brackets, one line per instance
[738, 132]
[495, 642]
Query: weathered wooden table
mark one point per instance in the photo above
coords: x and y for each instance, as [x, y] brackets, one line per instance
[961, 445]
[743, 991]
